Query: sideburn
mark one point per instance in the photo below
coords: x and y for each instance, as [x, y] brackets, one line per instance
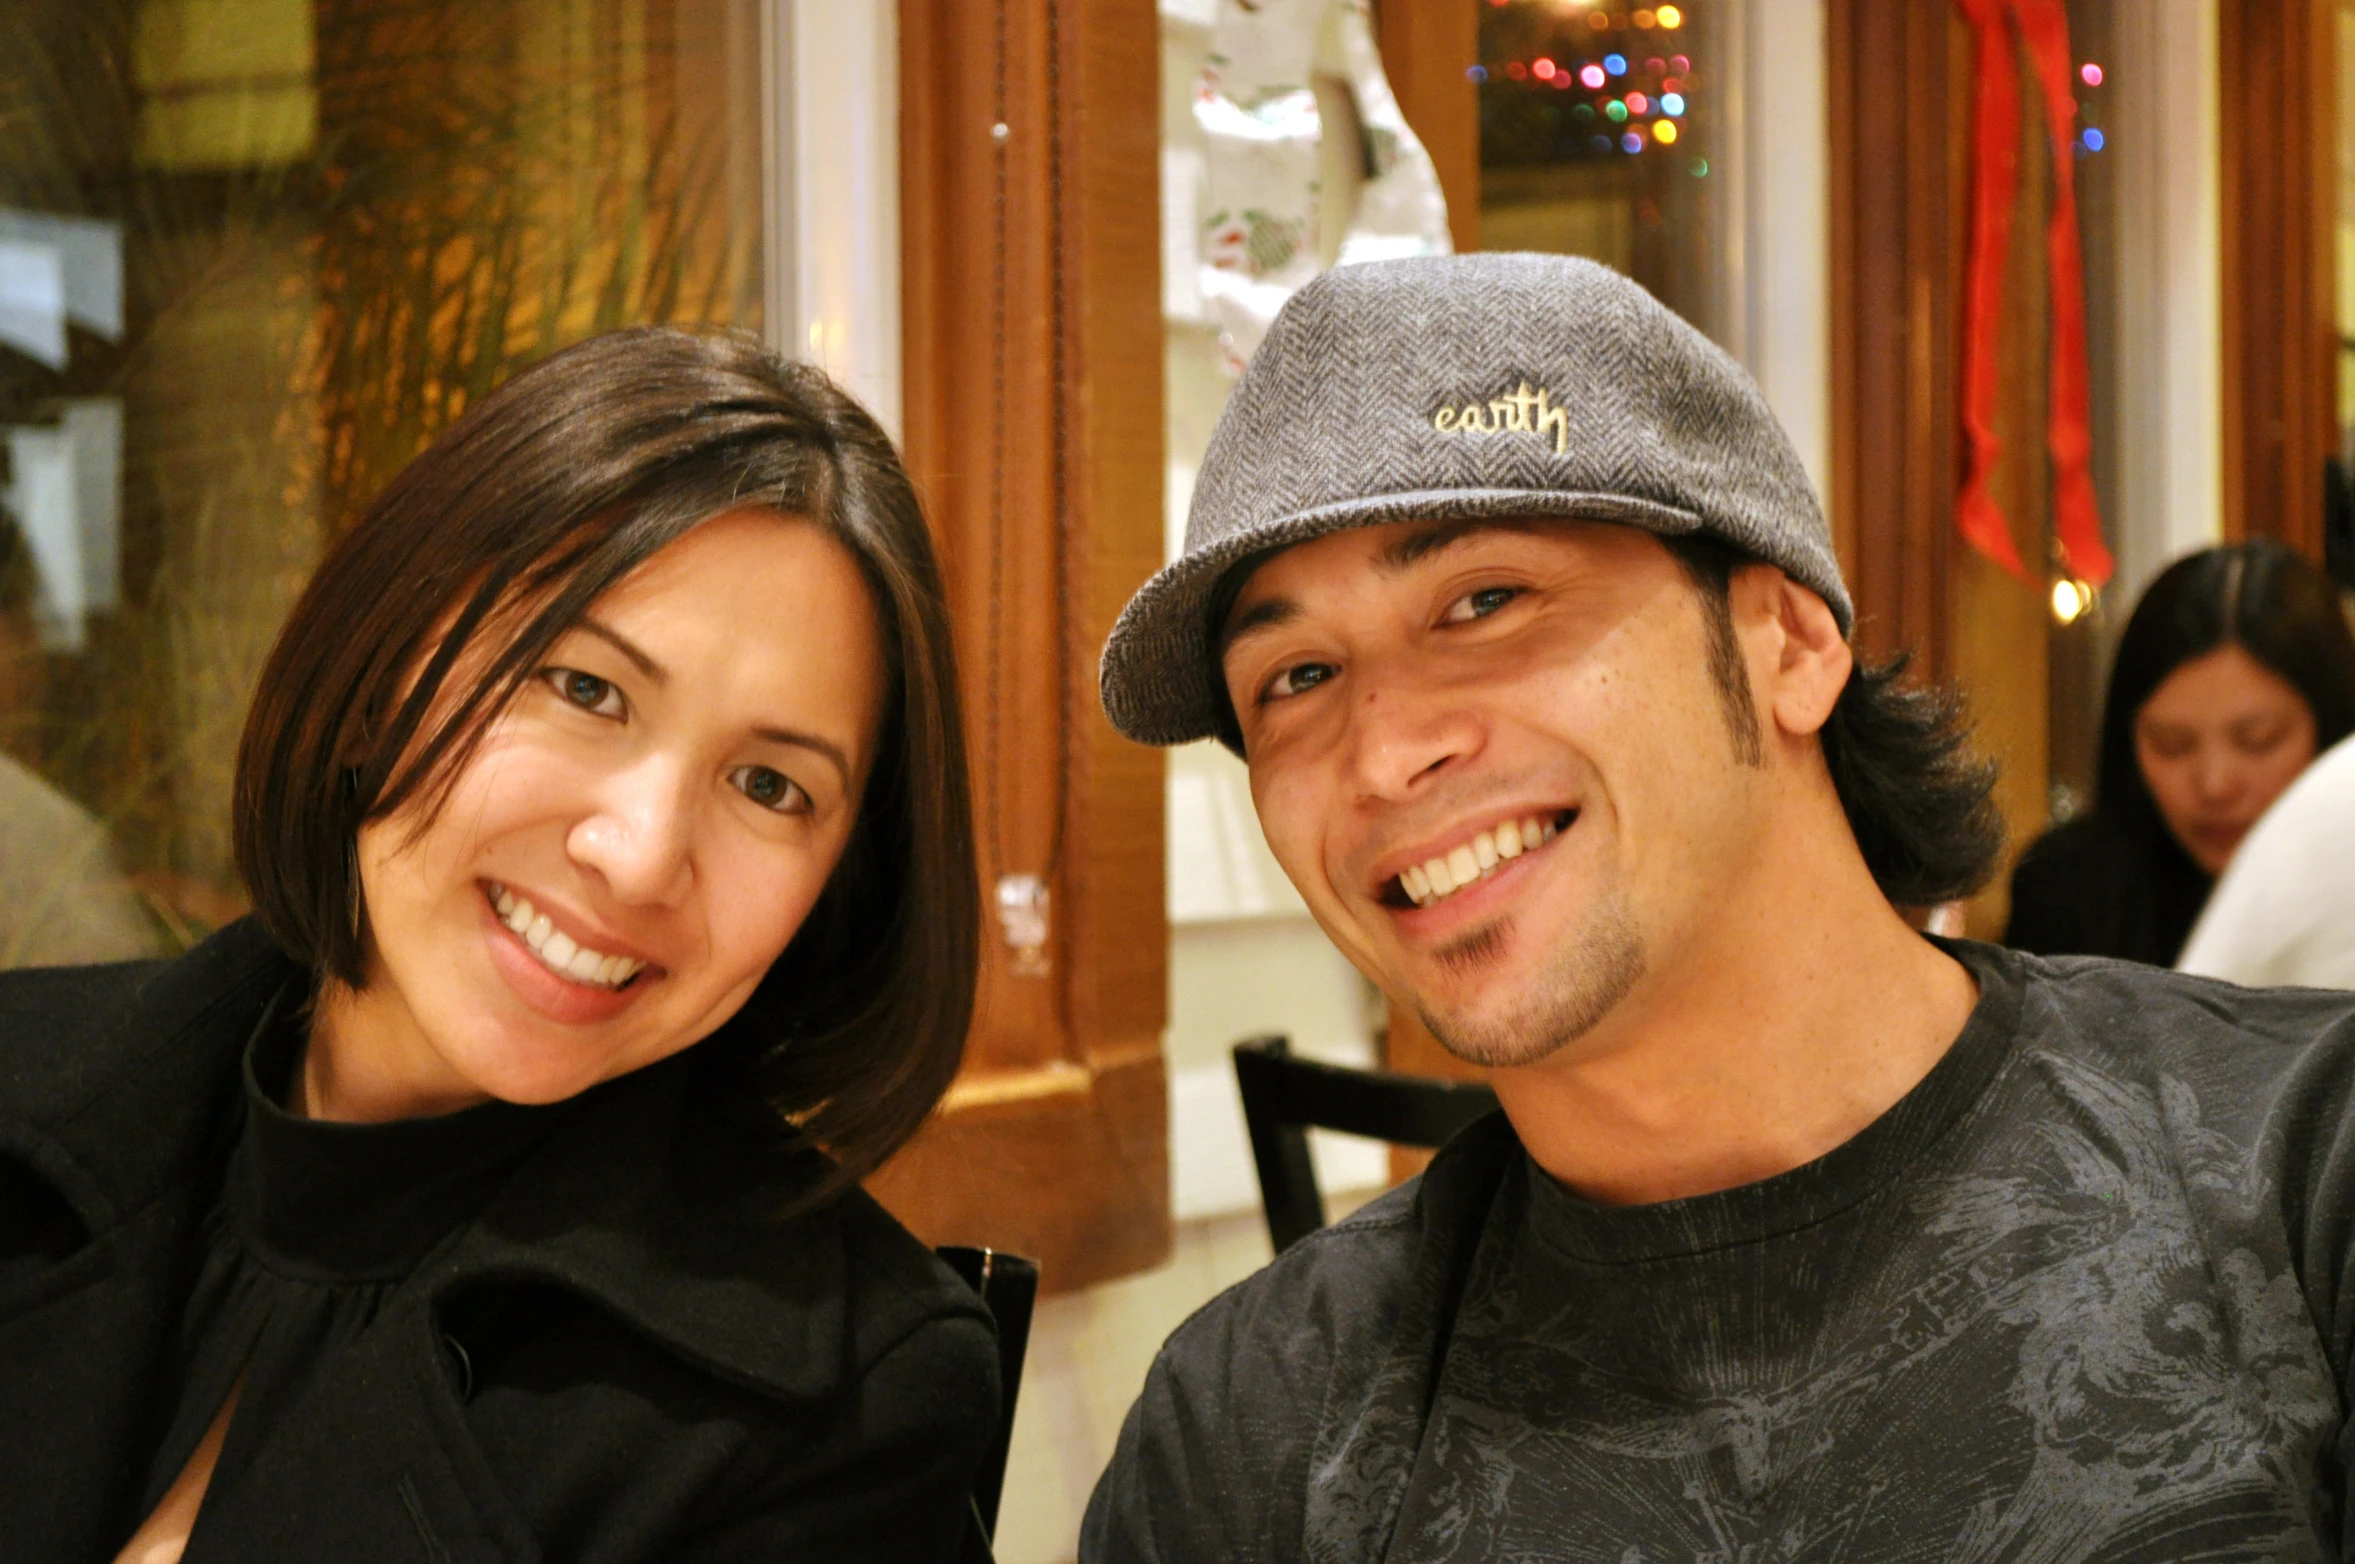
[1730, 673]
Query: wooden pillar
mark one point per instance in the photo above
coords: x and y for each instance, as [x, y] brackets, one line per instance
[2275, 70]
[1897, 72]
[1034, 426]
[1428, 50]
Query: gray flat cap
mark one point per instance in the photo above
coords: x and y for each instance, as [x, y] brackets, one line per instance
[1459, 387]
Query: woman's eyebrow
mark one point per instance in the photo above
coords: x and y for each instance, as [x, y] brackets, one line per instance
[795, 738]
[627, 647]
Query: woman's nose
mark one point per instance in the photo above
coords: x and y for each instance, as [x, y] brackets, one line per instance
[2217, 774]
[638, 836]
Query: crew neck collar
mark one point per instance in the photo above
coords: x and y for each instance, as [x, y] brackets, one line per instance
[1875, 1157]
[357, 1202]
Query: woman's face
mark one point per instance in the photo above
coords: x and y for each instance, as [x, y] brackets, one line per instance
[2217, 742]
[635, 841]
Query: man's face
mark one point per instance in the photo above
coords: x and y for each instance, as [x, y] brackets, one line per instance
[1493, 759]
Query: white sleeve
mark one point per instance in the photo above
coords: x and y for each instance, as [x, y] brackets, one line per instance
[2284, 911]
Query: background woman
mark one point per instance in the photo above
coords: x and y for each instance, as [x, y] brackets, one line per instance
[2236, 670]
[603, 809]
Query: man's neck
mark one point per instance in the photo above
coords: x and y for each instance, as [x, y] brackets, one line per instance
[1757, 1045]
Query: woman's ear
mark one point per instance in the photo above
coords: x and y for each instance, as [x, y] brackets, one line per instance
[1799, 658]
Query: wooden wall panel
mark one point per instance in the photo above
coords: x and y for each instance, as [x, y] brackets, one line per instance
[1428, 49]
[2276, 84]
[1897, 74]
[1034, 425]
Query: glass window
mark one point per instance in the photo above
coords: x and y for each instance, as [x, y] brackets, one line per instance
[254, 254]
[1597, 133]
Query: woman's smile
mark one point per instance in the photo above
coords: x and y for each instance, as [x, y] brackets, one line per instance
[551, 995]
[576, 961]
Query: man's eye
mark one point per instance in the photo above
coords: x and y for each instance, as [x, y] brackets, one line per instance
[1295, 680]
[770, 789]
[586, 690]
[1479, 604]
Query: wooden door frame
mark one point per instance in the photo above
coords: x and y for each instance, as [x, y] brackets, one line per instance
[1031, 284]
[2276, 86]
[1897, 184]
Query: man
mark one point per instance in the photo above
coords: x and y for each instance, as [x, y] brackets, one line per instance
[1801, 1236]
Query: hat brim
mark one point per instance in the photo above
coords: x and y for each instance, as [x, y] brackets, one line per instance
[1159, 682]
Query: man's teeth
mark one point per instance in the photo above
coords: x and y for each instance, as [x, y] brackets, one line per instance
[556, 951]
[1475, 860]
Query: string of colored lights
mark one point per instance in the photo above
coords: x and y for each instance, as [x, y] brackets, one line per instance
[1639, 120]
[1627, 115]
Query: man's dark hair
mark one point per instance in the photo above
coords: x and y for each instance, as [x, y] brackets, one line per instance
[1921, 803]
[496, 540]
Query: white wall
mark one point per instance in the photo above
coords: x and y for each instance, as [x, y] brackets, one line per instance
[831, 68]
[2169, 298]
[1775, 313]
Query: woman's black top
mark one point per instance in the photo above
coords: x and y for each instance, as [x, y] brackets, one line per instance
[317, 1224]
[569, 1332]
[2084, 889]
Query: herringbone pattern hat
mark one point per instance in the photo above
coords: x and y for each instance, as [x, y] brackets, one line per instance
[1455, 387]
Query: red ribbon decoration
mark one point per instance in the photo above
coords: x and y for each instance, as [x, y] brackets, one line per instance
[1995, 183]
[1995, 114]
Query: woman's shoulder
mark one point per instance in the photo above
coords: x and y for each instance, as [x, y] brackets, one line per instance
[2069, 848]
[124, 1057]
[2062, 892]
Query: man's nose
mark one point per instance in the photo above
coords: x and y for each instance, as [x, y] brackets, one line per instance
[1402, 733]
[639, 834]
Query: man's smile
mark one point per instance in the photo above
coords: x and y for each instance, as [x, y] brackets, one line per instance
[1429, 875]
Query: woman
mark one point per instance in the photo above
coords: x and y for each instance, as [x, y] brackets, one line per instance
[2236, 670]
[603, 808]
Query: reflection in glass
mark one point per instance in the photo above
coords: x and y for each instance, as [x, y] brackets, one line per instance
[253, 255]
[1597, 132]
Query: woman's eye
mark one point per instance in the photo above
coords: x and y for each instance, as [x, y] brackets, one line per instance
[1480, 604]
[2260, 741]
[587, 691]
[770, 789]
[1296, 679]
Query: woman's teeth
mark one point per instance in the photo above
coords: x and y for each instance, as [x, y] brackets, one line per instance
[556, 951]
[1476, 859]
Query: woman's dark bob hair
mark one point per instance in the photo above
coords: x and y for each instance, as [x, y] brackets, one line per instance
[494, 541]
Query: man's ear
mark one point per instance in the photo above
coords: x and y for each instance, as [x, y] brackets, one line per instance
[1799, 661]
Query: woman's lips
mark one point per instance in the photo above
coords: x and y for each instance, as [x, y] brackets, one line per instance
[557, 997]
[558, 951]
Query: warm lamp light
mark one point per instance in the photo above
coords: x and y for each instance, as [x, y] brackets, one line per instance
[2070, 599]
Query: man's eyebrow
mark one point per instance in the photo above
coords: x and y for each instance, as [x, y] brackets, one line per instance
[1406, 552]
[627, 647]
[1262, 615]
